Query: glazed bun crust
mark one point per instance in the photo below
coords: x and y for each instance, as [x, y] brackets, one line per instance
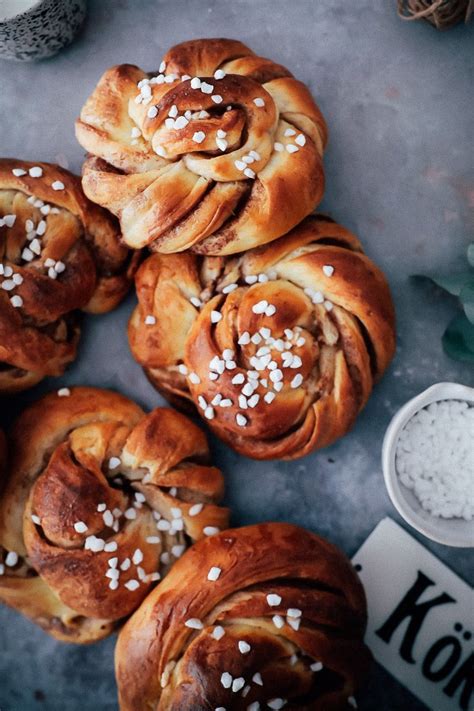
[65, 254]
[99, 501]
[291, 597]
[218, 152]
[278, 348]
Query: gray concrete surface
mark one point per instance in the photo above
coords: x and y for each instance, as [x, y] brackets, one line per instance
[398, 100]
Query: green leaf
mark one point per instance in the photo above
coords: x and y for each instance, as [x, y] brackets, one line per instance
[467, 299]
[458, 339]
[470, 254]
[453, 283]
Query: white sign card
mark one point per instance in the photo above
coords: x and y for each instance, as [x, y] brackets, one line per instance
[421, 618]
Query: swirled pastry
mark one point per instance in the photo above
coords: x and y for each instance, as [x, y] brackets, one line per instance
[100, 500]
[58, 253]
[278, 348]
[266, 616]
[220, 151]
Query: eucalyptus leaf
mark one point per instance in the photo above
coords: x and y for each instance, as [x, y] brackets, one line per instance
[470, 254]
[458, 339]
[453, 283]
[467, 299]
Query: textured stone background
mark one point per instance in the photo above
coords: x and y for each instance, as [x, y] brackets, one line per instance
[398, 100]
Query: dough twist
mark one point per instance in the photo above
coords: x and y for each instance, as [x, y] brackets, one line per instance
[278, 348]
[266, 616]
[218, 152]
[58, 253]
[100, 500]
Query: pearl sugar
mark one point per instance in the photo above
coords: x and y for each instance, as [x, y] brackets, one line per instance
[435, 458]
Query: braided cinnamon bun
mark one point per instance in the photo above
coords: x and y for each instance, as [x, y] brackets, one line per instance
[23, 589]
[266, 616]
[218, 152]
[278, 347]
[58, 253]
[100, 500]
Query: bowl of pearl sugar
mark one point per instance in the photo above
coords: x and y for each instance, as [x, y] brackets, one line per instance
[428, 463]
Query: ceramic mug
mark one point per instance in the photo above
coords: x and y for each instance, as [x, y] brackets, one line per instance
[35, 29]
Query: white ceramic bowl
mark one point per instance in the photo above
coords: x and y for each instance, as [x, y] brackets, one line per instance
[450, 532]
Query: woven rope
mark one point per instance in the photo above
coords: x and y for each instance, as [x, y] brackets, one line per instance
[440, 13]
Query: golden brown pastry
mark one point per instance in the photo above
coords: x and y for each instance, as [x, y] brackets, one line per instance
[219, 151]
[21, 588]
[266, 616]
[100, 500]
[58, 253]
[278, 347]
